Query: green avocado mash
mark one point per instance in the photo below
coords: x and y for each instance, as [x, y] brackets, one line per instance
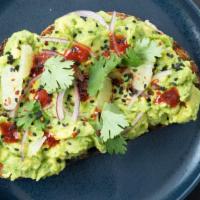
[82, 86]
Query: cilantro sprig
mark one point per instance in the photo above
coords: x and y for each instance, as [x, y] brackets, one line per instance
[58, 74]
[144, 51]
[31, 114]
[99, 71]
[113, 124]
[116, 145]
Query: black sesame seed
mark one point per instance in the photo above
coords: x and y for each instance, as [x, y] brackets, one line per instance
[74, 129]
[124, 100]
[91, 101]
[21, 104]
[178, 66]
[164, 68]
[17, 67]
[148, 100]
[126, 28]
[175, 79]
[90, 31]
[121, 90]
[74, 35]
[53, 48]
[8, 53]
[170, 55]
[20, 41]
[34, 134]
[58, 160]
[133, 37]
[114, 90]
[16, 100]
[59, 123]
[97, 25]
[16, 149]
[56, 31]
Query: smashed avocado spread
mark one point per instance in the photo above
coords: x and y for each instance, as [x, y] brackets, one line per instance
[93, 80]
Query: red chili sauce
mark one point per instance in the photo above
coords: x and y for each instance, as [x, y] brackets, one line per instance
[50, 141]
[9, 132]
[170, 97]
[39, 60]
[43, 97]
[119, 42]
[79, 53]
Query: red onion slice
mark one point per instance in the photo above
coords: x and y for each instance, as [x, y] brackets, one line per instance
[137, 119]
[76, 104]
[54, 39]
[35, 147]
[24, 139]
[60, 106]
[162, 74]
[112, 28]
[93, 15]
[112, 24]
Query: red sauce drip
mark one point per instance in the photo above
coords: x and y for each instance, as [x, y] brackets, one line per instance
[79, 53]
[82, 88]
[106, 54]
[119, 42]
[39, 61]
[74, 134]
[43, 97]
[170, 97]
[50, 141]
[9, 132]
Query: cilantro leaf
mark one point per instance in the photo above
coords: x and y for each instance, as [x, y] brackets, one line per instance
[31, 114]
[99, 71]
[58, 74]
[143, 52]
[116, 145]
[113, 122]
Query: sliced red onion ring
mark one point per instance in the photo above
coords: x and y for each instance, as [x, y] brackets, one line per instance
[35, 147]
[24, 139]
[76, 104]
[137, 119]
[112, 24]
[93, 15]
[54, 39]
[153, 26]
[162, 74]
[60, 106]
[134, 97]
[112, 28]
[50, 52]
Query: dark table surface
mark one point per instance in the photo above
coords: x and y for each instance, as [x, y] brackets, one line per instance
[195, 195]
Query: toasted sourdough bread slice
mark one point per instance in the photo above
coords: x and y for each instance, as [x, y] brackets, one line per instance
[177, 48]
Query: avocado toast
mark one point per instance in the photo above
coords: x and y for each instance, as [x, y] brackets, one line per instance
[90, 81]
